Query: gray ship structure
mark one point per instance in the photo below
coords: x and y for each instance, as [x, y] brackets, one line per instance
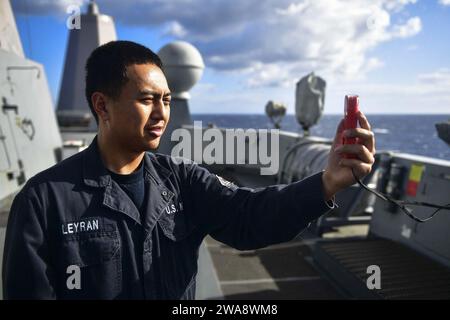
[328, 261]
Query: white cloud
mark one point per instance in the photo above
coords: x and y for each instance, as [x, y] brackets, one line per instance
[439, 79]
[444, 2]
[272, 75]
[425, 84]
[44, 7]
[274, 42]
[332, 37]
[397, 5]
[175, 29]
[410, 28]
[412, 47]
[293, 8]
[427, 93]
[203, 88]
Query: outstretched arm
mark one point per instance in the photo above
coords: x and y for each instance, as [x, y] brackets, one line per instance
[247, 218]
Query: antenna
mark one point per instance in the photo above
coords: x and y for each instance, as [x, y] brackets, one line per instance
[92, 8]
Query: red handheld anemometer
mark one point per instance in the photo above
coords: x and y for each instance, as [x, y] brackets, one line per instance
[350, 120]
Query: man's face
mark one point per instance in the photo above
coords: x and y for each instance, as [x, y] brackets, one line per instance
[139, 116]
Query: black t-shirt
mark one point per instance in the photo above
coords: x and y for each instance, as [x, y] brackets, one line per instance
[133, 185]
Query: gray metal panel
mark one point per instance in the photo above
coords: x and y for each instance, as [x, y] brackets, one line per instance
[405, 274]
[9, 37]
[2, 244]
[431, 238]
[28, 125]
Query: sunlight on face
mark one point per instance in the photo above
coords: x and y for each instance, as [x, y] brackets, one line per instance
[141, 113]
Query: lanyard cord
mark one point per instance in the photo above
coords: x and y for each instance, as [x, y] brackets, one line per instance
[402, 204]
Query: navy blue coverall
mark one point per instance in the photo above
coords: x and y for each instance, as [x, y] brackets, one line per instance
[74, 214]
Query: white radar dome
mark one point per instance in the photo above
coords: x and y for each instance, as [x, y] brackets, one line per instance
[183, 66]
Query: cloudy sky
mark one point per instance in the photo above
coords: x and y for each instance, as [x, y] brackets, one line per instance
[394, 53]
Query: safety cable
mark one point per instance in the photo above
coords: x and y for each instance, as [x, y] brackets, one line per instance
[402, 204]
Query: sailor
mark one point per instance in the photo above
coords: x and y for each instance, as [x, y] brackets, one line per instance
[116, 221]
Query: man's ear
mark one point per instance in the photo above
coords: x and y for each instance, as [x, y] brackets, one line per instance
[99, 102]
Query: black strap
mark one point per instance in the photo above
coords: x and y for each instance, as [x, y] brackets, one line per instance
[402, 204]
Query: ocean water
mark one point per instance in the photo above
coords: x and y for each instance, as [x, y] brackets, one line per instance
[414, 134]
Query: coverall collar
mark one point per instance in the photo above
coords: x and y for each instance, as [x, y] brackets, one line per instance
[96, 175]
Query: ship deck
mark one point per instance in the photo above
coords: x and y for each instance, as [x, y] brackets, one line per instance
[281, 272]
[276, 272]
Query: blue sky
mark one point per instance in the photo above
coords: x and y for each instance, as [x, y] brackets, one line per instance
[394, 53]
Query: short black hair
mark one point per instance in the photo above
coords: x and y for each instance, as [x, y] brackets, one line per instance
[106, 67]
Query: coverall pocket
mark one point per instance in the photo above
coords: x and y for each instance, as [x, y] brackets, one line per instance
[90, 266]
[179, 254]
[176, 227]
